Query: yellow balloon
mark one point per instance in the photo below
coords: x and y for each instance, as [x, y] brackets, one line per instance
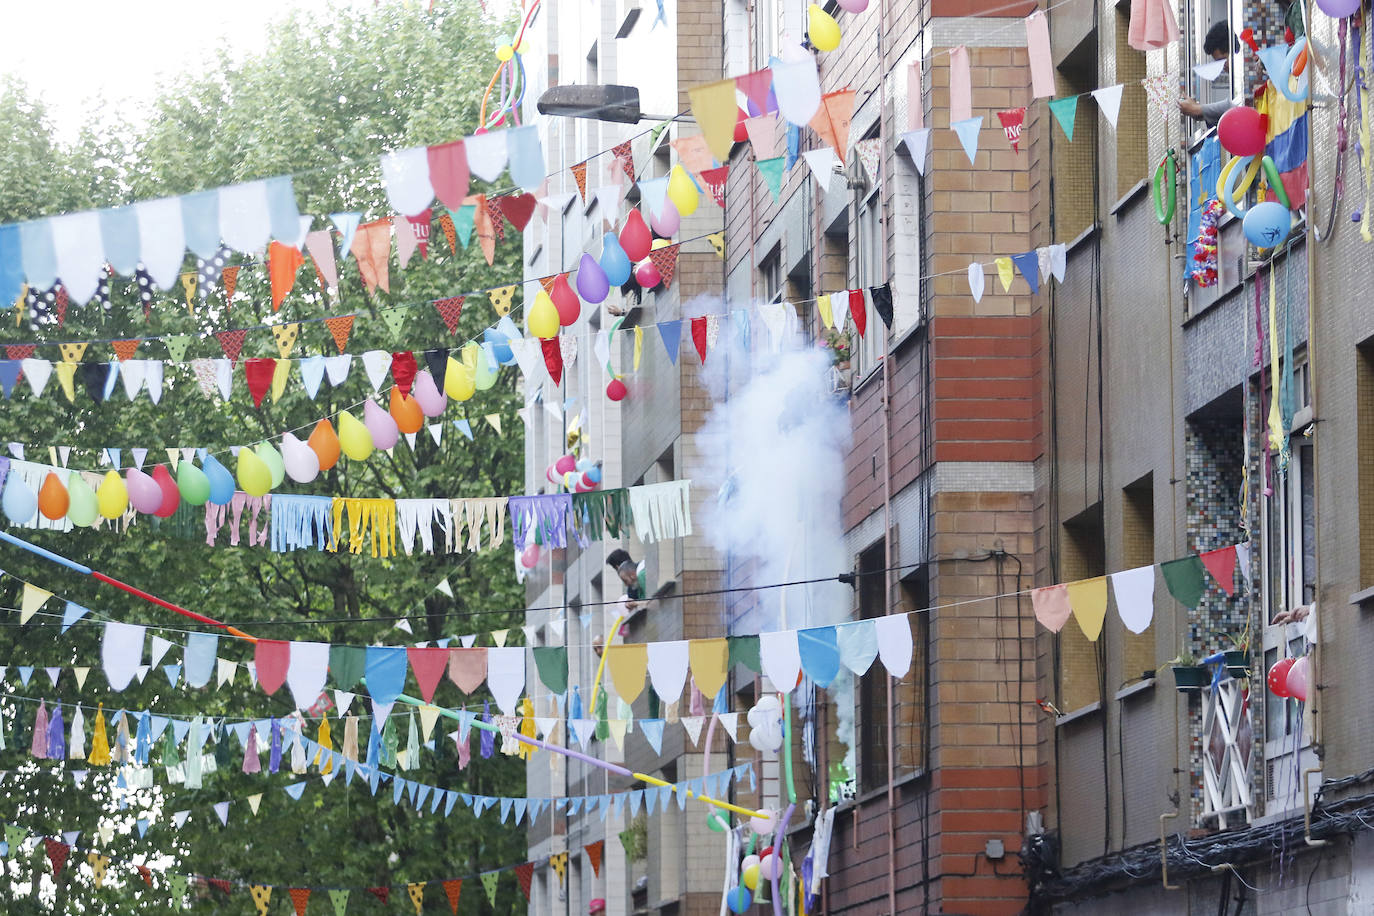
[682, 191]
[750, 877]
[458, 383]
[660, 243]
[354, 438]
[112, 497]
[822, 29]
[542, 318]
[505, 52]
[253, 474]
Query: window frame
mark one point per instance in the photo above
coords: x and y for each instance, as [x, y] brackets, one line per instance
[869, 270]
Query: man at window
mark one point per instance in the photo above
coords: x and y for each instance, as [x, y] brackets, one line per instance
[1218, 45]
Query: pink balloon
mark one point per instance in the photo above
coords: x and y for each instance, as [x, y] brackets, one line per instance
[647, 275]
[1300, 679]
[432, 401]
[380, 424]
[530, 557]
[144, 493]
[853, 6]
[667, 221]
[300, 460]
[565, 464]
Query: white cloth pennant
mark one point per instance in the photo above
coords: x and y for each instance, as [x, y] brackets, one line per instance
[668, 662]
[157, 648]
[336, 367]
[312, 373]
[122, 652]
[1108, 99]
[918, 145]
[822, 162]
[133, 372]
[152, 371]
[730, 721]
[377, 363]
[977, 279]
[1135, 597]
[406, 176]
[37, 371]
[894, 643]
[162, 239]
[486, 154]
[781, 658]
[305, 674]
[80, 250]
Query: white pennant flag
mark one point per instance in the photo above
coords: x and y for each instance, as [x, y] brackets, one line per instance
[1210, 70]
[976, 280]
[918, 145]
[822, 162]
[1109, 100]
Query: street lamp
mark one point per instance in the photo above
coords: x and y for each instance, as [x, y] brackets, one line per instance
[618, 104]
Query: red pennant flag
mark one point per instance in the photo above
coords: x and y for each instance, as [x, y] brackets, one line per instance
[62, 302]
[420, 225]
[145, 874]
[1221, 563]
[715, 183]
[231, 342]
[548, 282]
[624, 155]
[453, 887]
[300, 896]
[20, 351]
[403, 368]
[230, 278]
[283, 263]
[755, 87]
[429, 666]
[553, 358]
[448, 173]
[450, 232]
[450, 309]
[1011, 125]
[339, 329]
[259, 374]
[273, 658]
[699, 337]
[220, 884]
[524, 874]
[57, 854]
[124, 349]
[496, 218]
[857, 310]
[518, 208]
[381, 893]
[580, 176]
[665, 259]
[594, 851]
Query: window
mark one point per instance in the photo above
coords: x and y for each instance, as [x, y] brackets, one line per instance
[1364, 398]
[1132, 136]
[1075, 163]
[770, 276]
[1138, 549]
[1290, 562]
[869, 270]
[767, 15]
[1083, 556]
[870, 695]
[1203, 15]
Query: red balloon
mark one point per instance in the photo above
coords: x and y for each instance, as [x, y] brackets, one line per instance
[565, 300]
[635, 237]
[171, 496]
[1278, 678]
[647, 275]
[616, 390]
[1241, 131]
[741, 135]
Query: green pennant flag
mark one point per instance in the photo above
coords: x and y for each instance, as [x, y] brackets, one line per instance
[655, 133]
[744, 650]
[603, 721]
[176, 346]
[1065, 112]
[489, 879]
[394, 319]
[772, 170]
[177, 887]
[552, 662]
[14, 838]
[340, 900]
[463, 221]
[346, 665]
[1186, 579]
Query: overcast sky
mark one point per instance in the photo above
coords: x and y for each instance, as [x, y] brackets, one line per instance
[69, 50]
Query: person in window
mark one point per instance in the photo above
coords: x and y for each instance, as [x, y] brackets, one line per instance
[1218, 45]
[631, 574]
[1292, 21]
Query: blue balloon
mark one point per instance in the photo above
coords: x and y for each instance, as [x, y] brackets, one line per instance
[18, 501]
[1267, 224]
[738, 899]
[615, 263]
[594, 473]
[500, 346]
[221, 481]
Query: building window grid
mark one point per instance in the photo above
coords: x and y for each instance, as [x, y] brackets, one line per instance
[869, 271]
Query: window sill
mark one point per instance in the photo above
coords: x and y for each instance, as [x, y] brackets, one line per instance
[880, 792]
[1135, 191]
[872, 373]
[1363, 599]
[1077, 714]
[1126, 693]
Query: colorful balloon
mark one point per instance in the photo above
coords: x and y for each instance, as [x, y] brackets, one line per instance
[682, 191]
[565, 463]
[254, 477]
[272, 458]
[616, 390]
[82, 510]
[324, 442]
[500, 345]
[1299, 682]
[354, 438]
[592, 284]
[144, 493]
[666, 222]
[171, 493]
[1241, 131]
[53, 499]
[822, 29]
[542, 318]
[770, 866]
[485, 376]
[458, 380]
[615, 263]
[221, 481]
[111, 497]
[193, 484]
[647, 275]
[749, 875]
[853, 6]
[427, 394]
[381, 428]
[406, 412]
[739, 899]
[1267, 224]
[529, 557]
[1278, 677]
[1339, 9]
[635, 237]
[565, 301]
[300, 461]
[18, 500]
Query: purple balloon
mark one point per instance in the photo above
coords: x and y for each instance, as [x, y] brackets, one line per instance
[592, 284]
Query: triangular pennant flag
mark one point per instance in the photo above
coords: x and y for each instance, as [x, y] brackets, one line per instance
[285, 335]
[1028, 263]
[450, 310]
[715, 181]
[713, 107]
[416, 891]
[524, 873]
[580, 176]
[339, 328]
[489, 878]
[967, 130]
[624, 156]
[1088, 601]
[177, 347]
[1065, 111]
[822, 163]
[594, 852]
[917, 144]
[832, 119]
[124, 349]
[339, 900]
[33, 599]
[1108, 100]
[231, 342]
[1221, 563]
[671, 334]
[501, 299]
[1186, 579]
[347, 224]
[772, 172]
[300, 896]
[665, 261]
[1208, 71]
[1012, 122]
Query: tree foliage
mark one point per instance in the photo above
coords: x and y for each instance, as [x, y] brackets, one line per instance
[326, 97]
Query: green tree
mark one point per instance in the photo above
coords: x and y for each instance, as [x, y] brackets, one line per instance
[325, 98]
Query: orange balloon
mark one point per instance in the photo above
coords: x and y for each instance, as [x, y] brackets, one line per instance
[406, 412]
[52, 498]
[325, 442]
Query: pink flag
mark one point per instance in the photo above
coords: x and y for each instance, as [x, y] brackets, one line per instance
[960, 86]
[1051, 605]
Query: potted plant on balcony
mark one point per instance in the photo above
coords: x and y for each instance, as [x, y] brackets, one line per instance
[1188, 674]
[1237, 658]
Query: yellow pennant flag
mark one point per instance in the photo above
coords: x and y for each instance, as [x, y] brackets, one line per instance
[628, 664]
[34, 598]
[708, 660]
[66, 375]
[188, 283]
[559, 862]
[280, 373]
[72, 352]
[254, 801]
[98, 865]
[1004, 273]
[20, 303]
[285, 336]
[714, 108]
[717, 240]
[429, 717]
[499, 637]
[501, 299]
[326, 747]
[262, 896]
[639, 345]
[1088, 600]
[495, 421]
[417, 895]
[823, 306]
[173, 456]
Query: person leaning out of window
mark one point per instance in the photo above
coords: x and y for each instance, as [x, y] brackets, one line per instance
[1214, 47]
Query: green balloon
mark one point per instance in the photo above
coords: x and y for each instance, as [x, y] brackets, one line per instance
[193, 484]
[81, 505]
[272, 458]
